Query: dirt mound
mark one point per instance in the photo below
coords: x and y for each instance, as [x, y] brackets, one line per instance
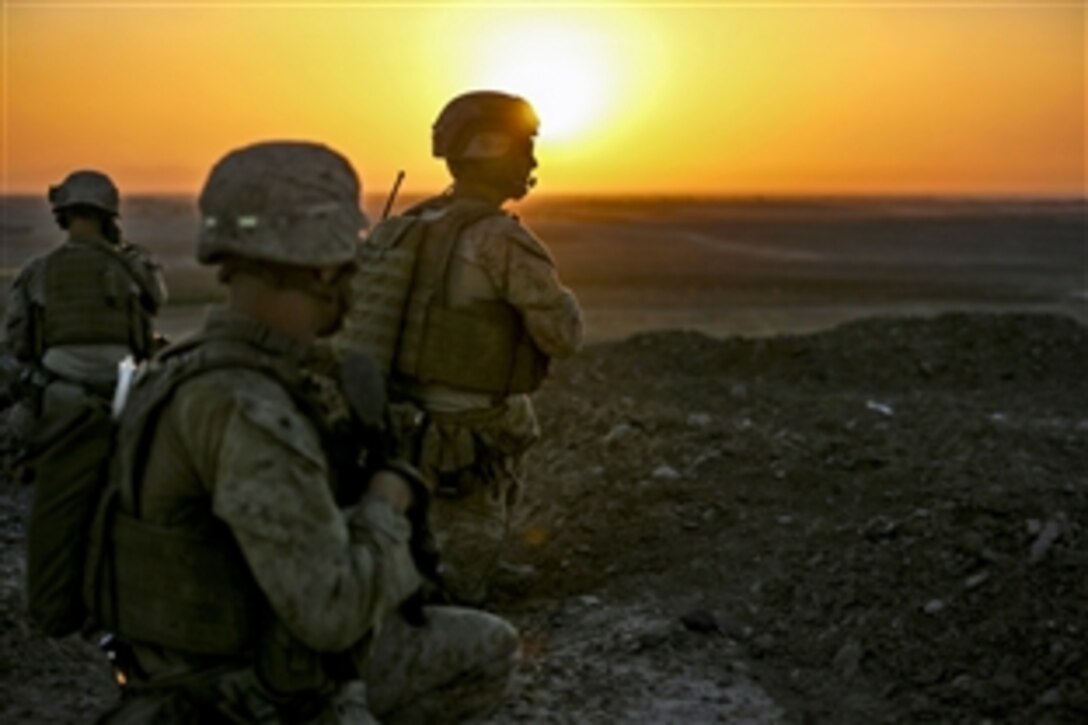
[954, 351]
[882, 522]
[889, 515]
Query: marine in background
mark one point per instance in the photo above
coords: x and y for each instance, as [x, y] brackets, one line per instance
[462, 306]
[249, 567]
[75, 312]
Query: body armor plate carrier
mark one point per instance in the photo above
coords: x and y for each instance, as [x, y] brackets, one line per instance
[402, 316]
[94, 296]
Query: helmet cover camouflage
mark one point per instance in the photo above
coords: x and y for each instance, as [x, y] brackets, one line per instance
[482, 125]
[290, 202]
[85, 188]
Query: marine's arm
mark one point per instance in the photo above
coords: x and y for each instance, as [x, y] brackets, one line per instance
[524, 272]
[149, 276]
[18, 315]
[329, 574]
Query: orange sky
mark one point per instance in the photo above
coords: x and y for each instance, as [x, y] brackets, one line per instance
[786, 97]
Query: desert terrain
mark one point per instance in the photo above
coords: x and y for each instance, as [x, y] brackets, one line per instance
[822, 460]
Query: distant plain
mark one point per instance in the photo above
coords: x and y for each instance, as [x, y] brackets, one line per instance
[750, 266]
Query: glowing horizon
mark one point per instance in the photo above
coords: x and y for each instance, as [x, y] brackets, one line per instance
[731, 100]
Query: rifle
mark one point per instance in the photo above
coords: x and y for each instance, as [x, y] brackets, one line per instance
[363, 385]
[392, 195]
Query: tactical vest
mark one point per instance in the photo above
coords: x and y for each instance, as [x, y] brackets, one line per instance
[189, 588]
[93, 296]
[403, 318]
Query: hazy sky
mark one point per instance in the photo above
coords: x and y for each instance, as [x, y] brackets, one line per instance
[743, 97]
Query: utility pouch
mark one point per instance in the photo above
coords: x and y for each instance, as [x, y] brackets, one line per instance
[171, 588]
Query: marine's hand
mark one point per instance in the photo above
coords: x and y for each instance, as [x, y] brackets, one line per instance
[391, 487]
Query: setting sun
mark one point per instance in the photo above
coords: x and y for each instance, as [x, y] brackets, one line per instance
[638, 98]
[561, 69]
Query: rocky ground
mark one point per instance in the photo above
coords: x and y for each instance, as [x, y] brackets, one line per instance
[885, 522]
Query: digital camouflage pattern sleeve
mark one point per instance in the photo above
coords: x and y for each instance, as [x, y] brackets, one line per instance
[523, 271]
[330, 574]
[149, 273]
[18, 319]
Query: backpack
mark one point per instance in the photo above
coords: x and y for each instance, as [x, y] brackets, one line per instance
[69, 577]
[402, 317]
[387, 271]
[73, 486]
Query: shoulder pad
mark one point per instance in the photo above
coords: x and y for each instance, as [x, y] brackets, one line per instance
[523, 238]
[31, 279]
[137, 252]
[429, 204]
[278, 418]
[389, 232]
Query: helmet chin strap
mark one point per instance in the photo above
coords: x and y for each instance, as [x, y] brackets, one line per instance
[523, 187]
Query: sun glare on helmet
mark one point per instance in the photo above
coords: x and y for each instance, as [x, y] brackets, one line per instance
[558, 69]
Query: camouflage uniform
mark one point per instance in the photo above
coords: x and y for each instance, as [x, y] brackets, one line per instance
[236, 440]
[472, 445]
[462, 306]
[241, 461]
[72, 315]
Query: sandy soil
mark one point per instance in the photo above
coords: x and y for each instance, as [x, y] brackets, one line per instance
[884, 522]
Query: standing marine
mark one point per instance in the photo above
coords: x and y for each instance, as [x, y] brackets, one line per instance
[461, 305]
[72, 315]
[251, 565]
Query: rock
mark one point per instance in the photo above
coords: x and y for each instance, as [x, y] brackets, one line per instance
[1051, 532]
[976, 580]
[667, 473]
[878, 407]
[589, 600]
[618, 433]
[879, 527]
[762, 644]
[963, 682]
[699, 420]
[847, 660]
[933, 606]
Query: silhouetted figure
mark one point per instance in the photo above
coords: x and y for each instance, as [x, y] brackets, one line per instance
[462, 307]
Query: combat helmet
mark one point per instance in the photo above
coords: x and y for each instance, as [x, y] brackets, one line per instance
[85, 188]
[482, 125]
[288, 202]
